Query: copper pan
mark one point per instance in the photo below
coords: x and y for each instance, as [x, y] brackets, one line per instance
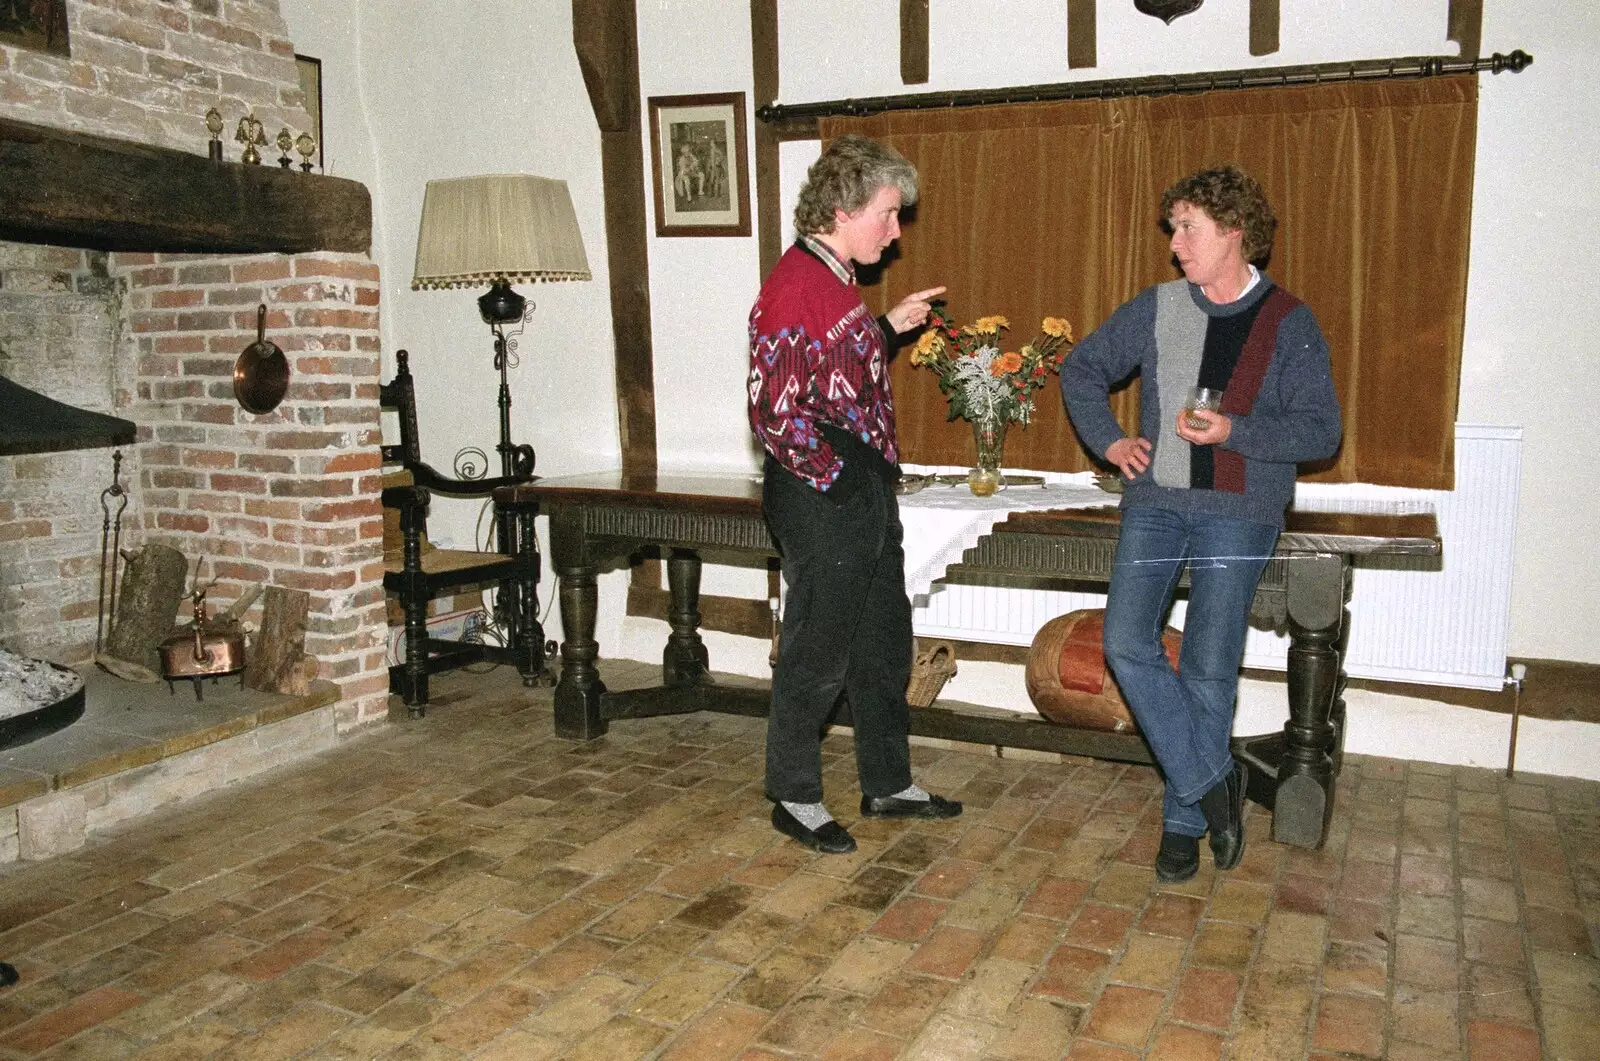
[261, 375]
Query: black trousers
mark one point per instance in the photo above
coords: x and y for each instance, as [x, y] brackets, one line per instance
[846, 628]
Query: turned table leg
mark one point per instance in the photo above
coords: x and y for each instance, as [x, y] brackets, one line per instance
[1316, 603]
[578, 693]
[527, 630]
[685, 661]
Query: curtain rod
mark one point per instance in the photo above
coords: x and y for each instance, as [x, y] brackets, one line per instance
[1159, 85]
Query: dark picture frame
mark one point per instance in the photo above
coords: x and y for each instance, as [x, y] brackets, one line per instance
[310, 71]
[700, 164]
[39, 26]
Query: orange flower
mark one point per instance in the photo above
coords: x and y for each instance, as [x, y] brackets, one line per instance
[1009, 361]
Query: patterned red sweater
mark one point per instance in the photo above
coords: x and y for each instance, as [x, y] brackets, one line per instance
[817, 356]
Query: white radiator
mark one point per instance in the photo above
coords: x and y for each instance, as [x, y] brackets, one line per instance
[1412, 620]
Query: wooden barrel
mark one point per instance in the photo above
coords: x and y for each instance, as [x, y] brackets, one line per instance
[1067, 677]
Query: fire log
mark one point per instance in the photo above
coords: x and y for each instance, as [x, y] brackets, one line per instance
[152, 588]
[277, 660]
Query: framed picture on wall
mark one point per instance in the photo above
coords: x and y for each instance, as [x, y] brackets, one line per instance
[39, 25]
[698, 157]
[310, 71]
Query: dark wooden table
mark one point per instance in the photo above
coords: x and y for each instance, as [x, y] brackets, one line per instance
[599, 518]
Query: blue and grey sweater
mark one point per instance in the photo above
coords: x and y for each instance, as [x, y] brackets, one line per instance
[1264, 350]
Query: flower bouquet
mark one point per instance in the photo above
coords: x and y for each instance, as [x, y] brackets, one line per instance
[986, 386]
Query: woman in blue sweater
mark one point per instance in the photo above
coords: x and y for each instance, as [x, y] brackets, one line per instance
[1203, 489]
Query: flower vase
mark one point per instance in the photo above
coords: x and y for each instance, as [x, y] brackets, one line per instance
[990, 438]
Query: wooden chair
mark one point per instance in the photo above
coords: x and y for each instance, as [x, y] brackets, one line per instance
[417, 572]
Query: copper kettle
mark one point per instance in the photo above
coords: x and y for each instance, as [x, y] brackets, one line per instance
[206, 650]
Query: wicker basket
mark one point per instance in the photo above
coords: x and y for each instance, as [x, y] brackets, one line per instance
[933, 666]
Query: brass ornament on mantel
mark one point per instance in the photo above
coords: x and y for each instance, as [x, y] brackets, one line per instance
[214, 127]
[307, 146]
[1167, 10]
[251, 134]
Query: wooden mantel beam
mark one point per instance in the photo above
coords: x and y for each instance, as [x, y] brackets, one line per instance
[71, 189]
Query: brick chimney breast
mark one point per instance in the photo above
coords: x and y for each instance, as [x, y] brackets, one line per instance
[290, 497]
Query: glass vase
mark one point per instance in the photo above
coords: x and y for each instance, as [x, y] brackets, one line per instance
[989, 436]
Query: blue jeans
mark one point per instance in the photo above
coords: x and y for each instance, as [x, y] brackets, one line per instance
[1187, 715]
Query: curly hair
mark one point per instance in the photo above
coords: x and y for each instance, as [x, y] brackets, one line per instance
[1231, 198]
[849, 173]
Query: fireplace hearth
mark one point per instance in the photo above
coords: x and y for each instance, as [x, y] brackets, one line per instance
[37, 698]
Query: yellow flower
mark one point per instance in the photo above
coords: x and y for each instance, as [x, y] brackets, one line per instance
[1057, 328]
[990, 325]
[929, 346]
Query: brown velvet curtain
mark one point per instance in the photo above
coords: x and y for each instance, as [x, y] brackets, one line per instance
[1042, 209]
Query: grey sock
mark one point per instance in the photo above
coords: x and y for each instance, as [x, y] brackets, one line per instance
[812, 815]
[913, 792]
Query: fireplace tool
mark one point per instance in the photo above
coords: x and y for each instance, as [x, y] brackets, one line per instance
[113, 502]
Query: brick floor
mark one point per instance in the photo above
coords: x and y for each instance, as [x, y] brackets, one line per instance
[468, 886]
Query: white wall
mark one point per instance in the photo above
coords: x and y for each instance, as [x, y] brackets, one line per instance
[1530, 355]
[1527, 362]
[701, 288]
[425, 80]
[415, 90]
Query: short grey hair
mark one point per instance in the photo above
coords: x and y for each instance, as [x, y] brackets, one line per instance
[849, 173]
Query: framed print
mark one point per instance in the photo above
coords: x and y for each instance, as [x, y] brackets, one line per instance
[40, 25]
[310, 71]
[698, 157]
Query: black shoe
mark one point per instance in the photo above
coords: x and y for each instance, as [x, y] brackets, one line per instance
[830, 838]
[895, 807]
[1227, 837]
[1178, 859]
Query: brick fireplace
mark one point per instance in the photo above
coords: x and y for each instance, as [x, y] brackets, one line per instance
[289, 498]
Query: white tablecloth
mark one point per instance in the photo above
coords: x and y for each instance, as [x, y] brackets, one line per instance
[942, 522]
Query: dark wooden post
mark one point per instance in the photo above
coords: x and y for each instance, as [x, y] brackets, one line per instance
[914, 42]
[1465, 26]
[764, 60]
[1263, 27]
[1082, 45]
[605, 34]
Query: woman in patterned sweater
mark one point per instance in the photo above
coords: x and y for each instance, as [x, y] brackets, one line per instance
[821, 408]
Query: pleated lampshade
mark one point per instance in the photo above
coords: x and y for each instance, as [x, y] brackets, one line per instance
[502, 227]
